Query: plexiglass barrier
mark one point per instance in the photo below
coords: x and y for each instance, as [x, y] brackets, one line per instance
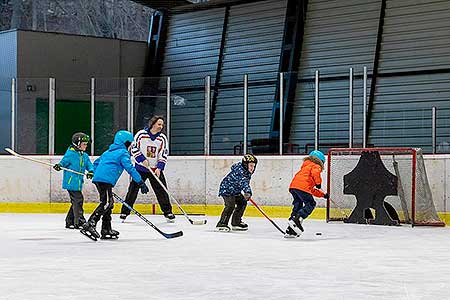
[244, 115]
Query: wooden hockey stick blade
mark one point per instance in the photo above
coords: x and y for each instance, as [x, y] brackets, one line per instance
[12, 152]
[201, 222]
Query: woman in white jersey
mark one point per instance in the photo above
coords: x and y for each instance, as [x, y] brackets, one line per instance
[150, 150]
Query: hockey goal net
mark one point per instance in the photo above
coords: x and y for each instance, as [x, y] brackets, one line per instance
[414, 202]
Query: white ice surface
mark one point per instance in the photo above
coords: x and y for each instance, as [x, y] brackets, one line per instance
[40, 259]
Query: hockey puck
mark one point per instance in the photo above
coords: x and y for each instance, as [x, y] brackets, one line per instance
[318, 233]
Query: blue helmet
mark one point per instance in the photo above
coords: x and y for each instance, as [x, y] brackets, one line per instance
[318, 154]
[122, 137]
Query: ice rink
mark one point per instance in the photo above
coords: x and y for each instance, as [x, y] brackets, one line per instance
[40, 259]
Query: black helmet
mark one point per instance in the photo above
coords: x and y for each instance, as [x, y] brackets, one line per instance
[80, 137]
[249, 158]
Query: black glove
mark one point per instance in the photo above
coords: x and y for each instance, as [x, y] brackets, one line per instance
[144, 187]
[57, 167]
[90, 175]
[318, 186]
[247, 196]
[326, 196]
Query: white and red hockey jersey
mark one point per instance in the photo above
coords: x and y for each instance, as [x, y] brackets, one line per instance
[151, 147]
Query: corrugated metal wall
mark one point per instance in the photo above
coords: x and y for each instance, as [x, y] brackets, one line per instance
[413, 71]
[416, 39]
[338, 35]
[191, 53]
[252, 46]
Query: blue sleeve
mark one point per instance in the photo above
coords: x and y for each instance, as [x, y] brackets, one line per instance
[88, 163]
[65, 161]
[96, 162]
[125, 161]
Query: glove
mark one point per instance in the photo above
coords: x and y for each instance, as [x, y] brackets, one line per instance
[57, 167]
[247, 196]
[318, 186]
[326, 196]
[90, 175]
[144, 187]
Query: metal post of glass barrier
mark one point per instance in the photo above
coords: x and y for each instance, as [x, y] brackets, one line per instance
[364, 134]
[245, 112]
[51, 116]
[13, 114]
[281, 112]
[168, 108]
[92, 116]
[207, 113]
[350, 110]
[316, 111]
[130, 105]
[433, 128]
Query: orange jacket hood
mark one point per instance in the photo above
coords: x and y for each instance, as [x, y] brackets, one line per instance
[308, 177]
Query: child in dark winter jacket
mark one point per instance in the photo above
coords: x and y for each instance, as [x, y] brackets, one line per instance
[306, 183]
[76, 159]
[231, 188]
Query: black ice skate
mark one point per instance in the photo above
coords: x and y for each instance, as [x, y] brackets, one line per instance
[222, 227]
[296, 224]
[70, 226]
[240, 227]
[109, 234]
[170, 217]
[89, 230]
[290, 233]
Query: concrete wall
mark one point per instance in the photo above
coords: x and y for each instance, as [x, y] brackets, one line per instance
[75, 57]
[191, 179]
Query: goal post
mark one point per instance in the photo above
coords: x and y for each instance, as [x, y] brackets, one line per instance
[413, 202]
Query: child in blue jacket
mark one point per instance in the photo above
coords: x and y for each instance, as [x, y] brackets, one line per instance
[107, 170]
[75, 159]
[231, 188]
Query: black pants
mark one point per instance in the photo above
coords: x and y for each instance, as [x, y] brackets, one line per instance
[75, 213]
[161, 195]
[234, 206]
[105, 206]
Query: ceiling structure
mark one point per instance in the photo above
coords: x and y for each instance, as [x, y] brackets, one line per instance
[157, 4]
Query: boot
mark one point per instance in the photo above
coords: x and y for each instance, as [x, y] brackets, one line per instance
[222, 227]
[170, 217]
[240, 227]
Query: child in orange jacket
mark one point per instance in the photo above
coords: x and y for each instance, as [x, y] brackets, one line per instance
[306, 183]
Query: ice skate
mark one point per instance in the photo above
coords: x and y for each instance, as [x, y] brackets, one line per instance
[240, 227]
[109, 234]
[290, 233]
[296, 224]
[170, 217]
[90, 231]
[70, 226]
[222, 227]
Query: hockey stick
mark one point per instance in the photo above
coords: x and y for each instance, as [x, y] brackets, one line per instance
[266, 216]
[339, 208]
[12, 152]
[202, 222]
[166, 235]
